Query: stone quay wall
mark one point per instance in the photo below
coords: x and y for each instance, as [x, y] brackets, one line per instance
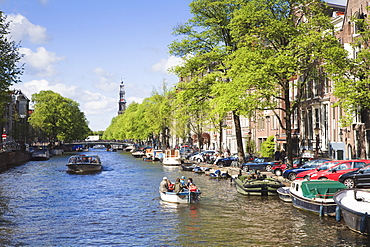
[13, 158]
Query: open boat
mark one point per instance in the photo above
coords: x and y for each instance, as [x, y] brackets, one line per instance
[219, 174]
[181, 197]
[355, 207]
[257, 184]
[316, 195]
[84, 163]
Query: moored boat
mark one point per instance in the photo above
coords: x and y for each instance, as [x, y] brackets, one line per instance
[257, 184]
[138, 153]
[188, 166]
[219, 174]
[181, 197]
[84, 163]
[171, 158]
[355, 207]
[316, 195]
[40, 153]
[284, 194]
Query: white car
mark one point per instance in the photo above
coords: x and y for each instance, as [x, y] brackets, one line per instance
[201, 157]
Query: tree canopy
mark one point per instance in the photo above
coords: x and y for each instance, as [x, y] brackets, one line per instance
[58, 117]
[10, 70]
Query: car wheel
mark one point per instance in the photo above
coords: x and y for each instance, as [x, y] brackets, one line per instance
[306, 177]
[199, 160]
[245, 168]
[278, 172]
[349, 182]
[292, 176]
[221, 164]
[268, 168]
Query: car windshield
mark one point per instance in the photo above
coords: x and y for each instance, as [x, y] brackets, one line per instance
[296, 161]
[326, 166]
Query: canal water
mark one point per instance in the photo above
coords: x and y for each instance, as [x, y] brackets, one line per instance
[42, 205]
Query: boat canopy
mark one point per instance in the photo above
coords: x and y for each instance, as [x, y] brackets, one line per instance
[321, 188]
[83, 159]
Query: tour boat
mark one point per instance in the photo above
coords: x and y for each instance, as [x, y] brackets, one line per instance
[257, 184]
[40, 153]
[181, 197]
[316, 195]
[355, 207]
[84, 163]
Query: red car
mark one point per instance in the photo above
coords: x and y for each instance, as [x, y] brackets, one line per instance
[343, 167]
[297, 162]
[324, 166]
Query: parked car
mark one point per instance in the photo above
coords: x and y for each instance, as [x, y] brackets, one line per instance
[297, 162]
[226, 161]
[324, 166]
[204, 156]
[262, 164]
[334, 172]
[357, 178]
[291, 174]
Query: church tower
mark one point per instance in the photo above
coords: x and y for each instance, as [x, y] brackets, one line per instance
[122, 100]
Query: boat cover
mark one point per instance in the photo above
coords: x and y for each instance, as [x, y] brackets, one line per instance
[321, 188]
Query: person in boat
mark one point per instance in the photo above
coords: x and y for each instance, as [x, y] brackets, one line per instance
[178, 187]
[163, 186]
[182, 181]
[170, 185]
[191, 186]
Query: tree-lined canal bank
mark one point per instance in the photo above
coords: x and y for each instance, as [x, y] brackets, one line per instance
[42, 205]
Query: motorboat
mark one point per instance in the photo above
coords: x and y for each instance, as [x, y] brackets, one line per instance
[181, 197]
[257, 184]
[316, 195]
[284, 194]
[84, 163]
[172, 158]
[219, 174]
[153, 154]
[188, 166]
[355, 207]
[40, 153]
[138, 153]
[99, 146]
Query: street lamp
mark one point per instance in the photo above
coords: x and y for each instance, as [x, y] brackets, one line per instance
[317, 132]
[341, 135]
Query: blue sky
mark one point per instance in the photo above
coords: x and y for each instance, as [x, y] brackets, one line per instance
[83, 48]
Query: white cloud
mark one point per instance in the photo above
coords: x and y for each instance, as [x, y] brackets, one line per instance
[106, 80]
[164, 64]
[21, 28]
[92, 104]
[40, 62]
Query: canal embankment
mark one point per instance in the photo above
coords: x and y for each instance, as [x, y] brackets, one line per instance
[13, 158]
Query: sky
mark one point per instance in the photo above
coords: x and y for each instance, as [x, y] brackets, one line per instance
[83, 49]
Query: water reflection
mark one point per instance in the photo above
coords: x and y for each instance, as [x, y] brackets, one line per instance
[42, 205]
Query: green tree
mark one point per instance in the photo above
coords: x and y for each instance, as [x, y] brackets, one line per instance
[9, 68]
[278, 41]
[268, 147]
[352, 85]
[58, 117]
[205, 46]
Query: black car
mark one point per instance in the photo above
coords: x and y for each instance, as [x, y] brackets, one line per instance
[227, 161]
[262, 164]
[358, 178]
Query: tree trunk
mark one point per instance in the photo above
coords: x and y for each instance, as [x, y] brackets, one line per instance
[239, 140]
